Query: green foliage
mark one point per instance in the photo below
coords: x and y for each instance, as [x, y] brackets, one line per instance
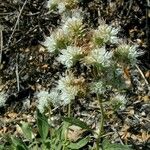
[55, 141]
[43, 125]
[27, 131]
[108, 146]
[77, 122]
[79, 144]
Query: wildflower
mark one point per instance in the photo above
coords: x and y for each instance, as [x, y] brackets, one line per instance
[43, 97]
[69, 87]
[52, 4]
[73, 27]
[54, 97]
[99, 57]
[2, 99]
[58, 40]
[127, 53]
[70, 55]
[118, 102]
[61, 5]
[97, 87]
[105, 33]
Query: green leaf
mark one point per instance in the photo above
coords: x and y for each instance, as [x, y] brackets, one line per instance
[77, 122]
[108, 146]
[20, 147]
[27, 131]
[79, 144]
[43, 125]
[18, 144]
[1, 147]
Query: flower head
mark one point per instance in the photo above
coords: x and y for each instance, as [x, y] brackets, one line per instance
[74, 27]
[58, 40]
[126, 53]
[97, 87]
[2, 99]
[105, 33]
[52, 4]
[43, 98]
[70, 55]
[69, 87]
[99, 56]
[61, 5]
[118, 102]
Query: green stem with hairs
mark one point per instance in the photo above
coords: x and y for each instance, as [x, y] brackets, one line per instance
[101, 123]
[66, 133]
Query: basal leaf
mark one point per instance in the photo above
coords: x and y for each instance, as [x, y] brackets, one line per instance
[79, 144]
[109, 146]
[27, 131]
[77, 122]
[43, 125]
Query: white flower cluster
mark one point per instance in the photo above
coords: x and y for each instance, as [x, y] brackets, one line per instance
[43, 98]
[118, 102]
[105, 33]
[73, 43]
[97, 87]
[2, 99]
[73, 26]
[99, 56]
[67, 89]
[127, 53]
[69, 86]
[70, 30]
[61, 5]
[70, 55]
[58, 40]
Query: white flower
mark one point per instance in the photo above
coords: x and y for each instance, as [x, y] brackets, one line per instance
[58, 40]
[52, 4]
[73, 27]
[69, 87]
[61, 7]
[105, 33]
[70, 55]
[118, 101]
[97, 87]
[43, 98]
[54, 97]
[2, 99]
[127, 53]
[61, 4]
[99, 56]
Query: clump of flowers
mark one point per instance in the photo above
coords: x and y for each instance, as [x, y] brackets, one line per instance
[2, 99]
[73, 42]
[104, 34]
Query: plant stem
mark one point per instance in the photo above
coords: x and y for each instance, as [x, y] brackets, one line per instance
[66, 133]
[101, 123]
[69, 109]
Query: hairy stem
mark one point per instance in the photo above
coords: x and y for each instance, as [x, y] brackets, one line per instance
[101, 123]
[66, 133]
